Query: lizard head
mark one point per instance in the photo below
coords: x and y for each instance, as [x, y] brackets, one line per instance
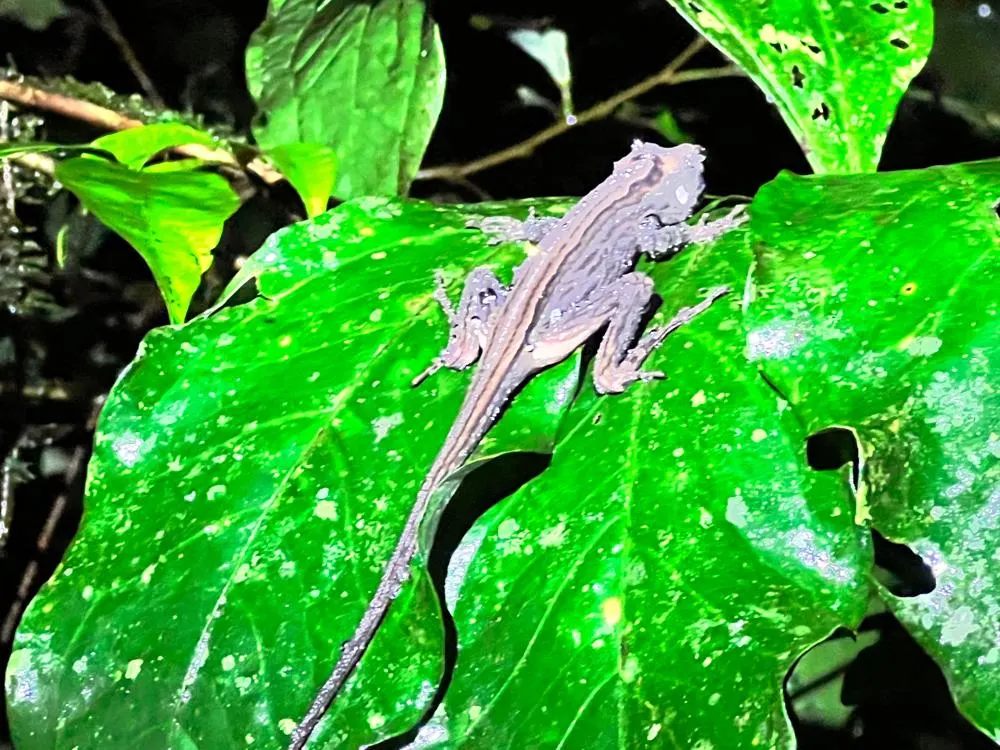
[675, 176]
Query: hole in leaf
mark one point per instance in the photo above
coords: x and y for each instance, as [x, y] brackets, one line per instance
[246, 293]
[480, 489]
[814, 683]
[900, 569]
[897, 695]
[901, 5]
[879, 8]
[832, 448]
[797, 77]
[776, 46]
[695, 8]
[821, 111]
[814, 48]
[899, 43]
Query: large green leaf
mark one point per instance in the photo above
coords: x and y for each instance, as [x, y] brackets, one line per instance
[251, 474]
[173, 218]
[875, 309]
[364, 78]
[664, 601]
[253, 470]
[836, 70]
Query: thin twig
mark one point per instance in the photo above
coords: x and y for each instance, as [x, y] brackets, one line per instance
[982, 119]
[705, 74]
[38, 162]
[77, 464]
[6, 173]
[669, 76]
[77, 109]
[114, 32]
[108, 119]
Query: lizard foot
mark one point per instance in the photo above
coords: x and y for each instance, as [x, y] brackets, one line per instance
[432, 368]
[706, 231]
[508, 229]
[615, 378]
[619, 380]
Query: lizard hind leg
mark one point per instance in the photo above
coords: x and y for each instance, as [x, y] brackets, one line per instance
[617, 365]
[482, 295]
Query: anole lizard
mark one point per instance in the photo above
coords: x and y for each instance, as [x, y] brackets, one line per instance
[580, 281]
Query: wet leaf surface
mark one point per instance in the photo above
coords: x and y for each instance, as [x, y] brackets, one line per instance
[251, 475]
[883, 318]
[653, 585]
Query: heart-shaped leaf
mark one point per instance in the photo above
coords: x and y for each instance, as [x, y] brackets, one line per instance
[251, 475]
[173, 218]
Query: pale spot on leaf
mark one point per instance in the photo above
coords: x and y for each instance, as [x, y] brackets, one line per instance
[326, 509]
[959, 626]
[133, 669]
[611, 610]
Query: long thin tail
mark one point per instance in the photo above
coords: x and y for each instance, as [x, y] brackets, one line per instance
[468, 429]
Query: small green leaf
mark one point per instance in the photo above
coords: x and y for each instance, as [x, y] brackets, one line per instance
[670, 129]
[133, 147]
[549, 48]
[364, 78]
[310, 168]
[835, 70]
[874, 307]
[172, 218]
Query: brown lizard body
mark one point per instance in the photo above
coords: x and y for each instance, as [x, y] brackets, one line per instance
[579, 281]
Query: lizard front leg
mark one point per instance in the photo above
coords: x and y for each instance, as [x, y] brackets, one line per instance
[658, 241]
[508, 229]
[617, 365]
[482, 295]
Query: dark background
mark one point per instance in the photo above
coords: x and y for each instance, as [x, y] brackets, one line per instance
[66, 333]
